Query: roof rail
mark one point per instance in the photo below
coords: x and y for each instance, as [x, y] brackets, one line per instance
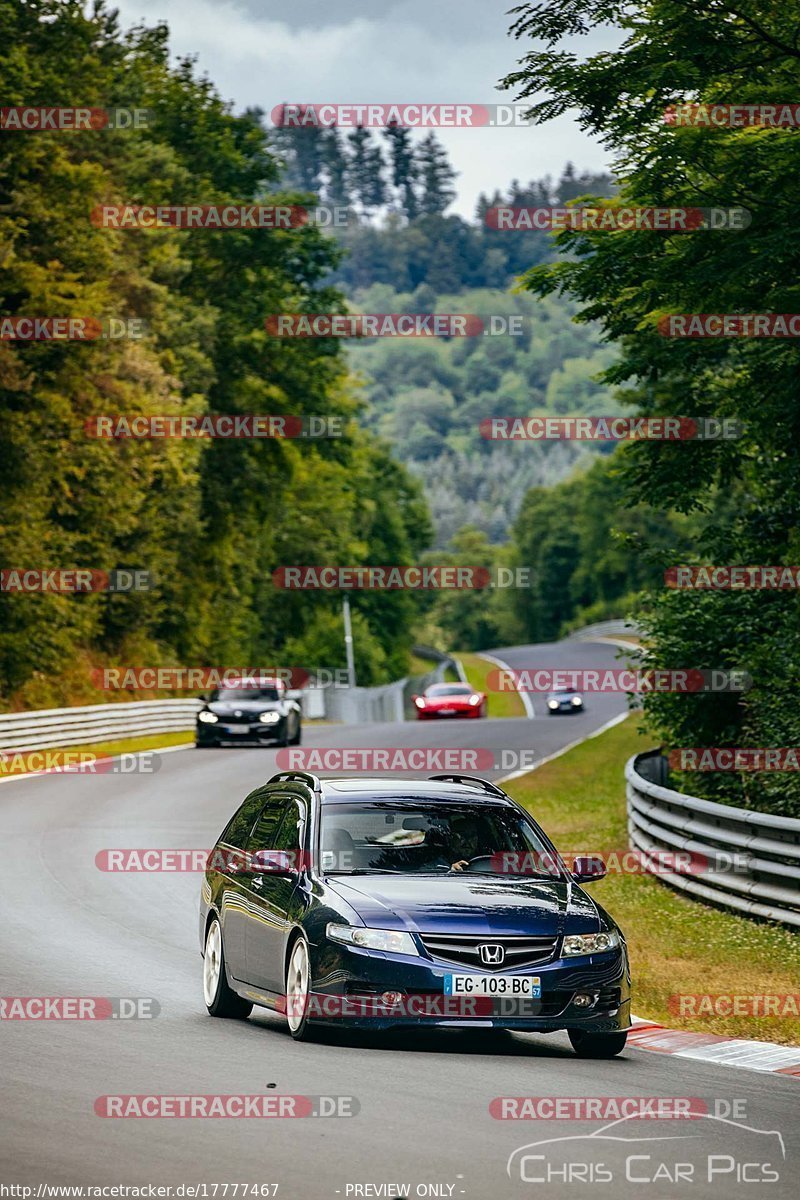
[306, 777]
[469, 779]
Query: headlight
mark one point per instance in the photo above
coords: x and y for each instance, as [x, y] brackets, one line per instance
[576, 700]
[590, 943]
[390, 940]
[208, 718]
[474, 699]
[269, 718]
[552, 704]
[420, 701]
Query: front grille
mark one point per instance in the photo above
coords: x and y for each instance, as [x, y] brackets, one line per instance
[463, 949]
[233, 719]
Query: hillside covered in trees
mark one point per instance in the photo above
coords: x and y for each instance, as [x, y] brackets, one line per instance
[405, 253]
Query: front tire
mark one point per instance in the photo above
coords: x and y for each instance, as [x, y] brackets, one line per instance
[298, 737]
[597, 1045]
[221, 1000]
[298, 989]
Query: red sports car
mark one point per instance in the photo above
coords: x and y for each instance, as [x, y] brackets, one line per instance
[450, 700]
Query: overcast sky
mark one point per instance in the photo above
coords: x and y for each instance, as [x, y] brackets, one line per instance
[262, 52]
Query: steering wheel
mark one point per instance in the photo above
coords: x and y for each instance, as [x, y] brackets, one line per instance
[471, 864]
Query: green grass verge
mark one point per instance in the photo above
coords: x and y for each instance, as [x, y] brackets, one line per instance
[420, 666]
[500, 704]
[155, 741]
[677, 946]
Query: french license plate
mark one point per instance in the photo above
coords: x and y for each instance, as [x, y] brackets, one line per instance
[493, 985]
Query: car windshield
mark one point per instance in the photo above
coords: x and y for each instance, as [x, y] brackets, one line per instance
[246, 693]
[405, 837]
[448, 689]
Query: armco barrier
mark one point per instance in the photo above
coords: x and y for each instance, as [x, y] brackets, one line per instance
[392, 701]
[43, 728]
[53, 727]
[757, 854]
[606, 629]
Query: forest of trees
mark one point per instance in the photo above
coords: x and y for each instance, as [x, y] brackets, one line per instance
[397, 191]
[403, 253]
[210, 519]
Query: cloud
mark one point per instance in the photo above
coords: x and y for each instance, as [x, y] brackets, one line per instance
[261, 54]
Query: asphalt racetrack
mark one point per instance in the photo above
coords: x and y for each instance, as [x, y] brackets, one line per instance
[423, 1126]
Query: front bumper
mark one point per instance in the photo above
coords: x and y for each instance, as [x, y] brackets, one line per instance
[354, 979]
[472, 711]
[254, 732]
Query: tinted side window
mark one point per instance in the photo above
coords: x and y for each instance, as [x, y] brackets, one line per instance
[238, 828]
[288, 836]
[267, 826]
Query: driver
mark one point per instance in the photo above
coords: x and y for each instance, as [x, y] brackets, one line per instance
[468, 835]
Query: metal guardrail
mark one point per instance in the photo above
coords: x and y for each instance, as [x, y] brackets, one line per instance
[616, 628]
[53, 727]
[392, 701]
[752, 859]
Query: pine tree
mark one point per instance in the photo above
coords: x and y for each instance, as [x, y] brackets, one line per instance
[404, 169]
[365, 170]
[376, 195]
[436, 176]
[336, 190]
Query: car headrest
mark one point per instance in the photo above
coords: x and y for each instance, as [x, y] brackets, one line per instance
[338, 839]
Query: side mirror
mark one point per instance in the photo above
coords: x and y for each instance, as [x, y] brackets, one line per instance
[587, 868]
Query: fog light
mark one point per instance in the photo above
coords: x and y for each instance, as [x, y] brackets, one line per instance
[583, 1000]
[390, 999]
